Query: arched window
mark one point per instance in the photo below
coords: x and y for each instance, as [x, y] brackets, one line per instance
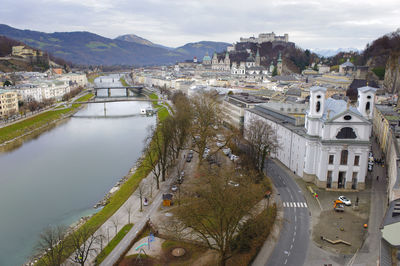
[343, 157]
[318, 107]
[346, 133]
[367, 107]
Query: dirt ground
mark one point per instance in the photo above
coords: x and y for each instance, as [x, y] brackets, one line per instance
[194, 255]
[347, 225]
[339, 225]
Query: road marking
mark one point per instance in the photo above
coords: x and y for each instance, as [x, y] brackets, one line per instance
[294, 233]
[294, 204]
[285, 261]
[295, 227]
[295, 219]
[293, 240]
[291, 246]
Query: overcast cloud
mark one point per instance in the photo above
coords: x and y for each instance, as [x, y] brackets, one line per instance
[309, 23]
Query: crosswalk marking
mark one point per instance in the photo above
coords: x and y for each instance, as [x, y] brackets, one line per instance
[295, 205]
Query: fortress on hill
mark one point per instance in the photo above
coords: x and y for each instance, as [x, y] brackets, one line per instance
[266, 37]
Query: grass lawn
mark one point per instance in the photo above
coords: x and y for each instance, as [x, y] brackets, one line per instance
[123, 82]
[25, 126]
[162, 111]
[92, 77]
[113, 243]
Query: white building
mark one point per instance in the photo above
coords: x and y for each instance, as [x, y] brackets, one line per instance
[77, 80]
[43, 90]
[332, 148]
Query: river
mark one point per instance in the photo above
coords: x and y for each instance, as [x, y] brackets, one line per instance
[56, 178]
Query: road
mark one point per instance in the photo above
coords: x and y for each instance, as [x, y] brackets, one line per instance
[291, 247]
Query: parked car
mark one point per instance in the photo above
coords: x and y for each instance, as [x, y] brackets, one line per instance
[234, 157]
[174, 188]
[188, 159]
[370, 166]
[220, 144]
[345, 200]
[226, 151]
[145, 202]
[232, 183]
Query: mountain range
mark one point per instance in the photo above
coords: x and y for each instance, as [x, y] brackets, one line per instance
[91, 49]
[332, 52]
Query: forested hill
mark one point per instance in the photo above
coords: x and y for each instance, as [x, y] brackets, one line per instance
[92, 49]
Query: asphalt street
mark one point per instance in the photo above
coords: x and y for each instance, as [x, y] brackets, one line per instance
[291, 247]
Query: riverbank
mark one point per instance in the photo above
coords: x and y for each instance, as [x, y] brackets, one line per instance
[39, 122]
[127, 185]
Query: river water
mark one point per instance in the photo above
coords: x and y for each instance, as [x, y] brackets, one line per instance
[57, 177]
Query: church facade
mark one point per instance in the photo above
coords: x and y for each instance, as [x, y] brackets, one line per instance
[331, 149]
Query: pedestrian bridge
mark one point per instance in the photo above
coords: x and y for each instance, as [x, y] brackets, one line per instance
[128, 89]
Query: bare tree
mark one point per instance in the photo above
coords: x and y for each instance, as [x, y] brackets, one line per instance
[262, 141]
[219, 208]
[141, 190]
[51, 245]
[151, 158]
[206, 117]
[182, 119]
[115, 222]
[83, 241]
[129, 209]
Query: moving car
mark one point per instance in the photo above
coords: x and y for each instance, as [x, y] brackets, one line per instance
[345, 200]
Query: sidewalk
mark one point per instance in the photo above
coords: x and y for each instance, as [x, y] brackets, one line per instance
[121, 217]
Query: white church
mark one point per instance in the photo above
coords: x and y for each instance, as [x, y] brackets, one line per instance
[331, 147]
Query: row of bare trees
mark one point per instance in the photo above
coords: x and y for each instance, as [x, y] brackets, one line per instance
[219, 208]
[55, 244]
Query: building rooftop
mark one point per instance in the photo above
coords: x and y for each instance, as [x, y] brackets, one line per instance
[391, 224]
[347, 64]
[335, 107]
[245, 97]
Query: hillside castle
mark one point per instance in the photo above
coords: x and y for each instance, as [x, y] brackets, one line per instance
[266, 37]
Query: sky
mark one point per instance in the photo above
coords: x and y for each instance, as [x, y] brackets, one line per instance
[312, 24]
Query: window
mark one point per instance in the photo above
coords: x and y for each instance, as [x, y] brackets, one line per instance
[347, 117]
[329, 179]
[318, 107]
[357, 160]
[346, 133]
[354, 180]
[343, 157]
[367, 107]
[331, 158]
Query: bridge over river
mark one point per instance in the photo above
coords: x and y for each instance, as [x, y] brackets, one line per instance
[128, 89]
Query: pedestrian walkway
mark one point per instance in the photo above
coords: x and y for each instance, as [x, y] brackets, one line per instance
[129, 211]
[295, 205]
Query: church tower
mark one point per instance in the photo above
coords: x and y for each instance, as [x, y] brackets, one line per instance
[258, 59]
[279, 64]
[215, 59]
[316, 111]
[366, 96]
[227, 62]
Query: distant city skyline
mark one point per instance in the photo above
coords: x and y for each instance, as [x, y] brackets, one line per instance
[309, 23]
